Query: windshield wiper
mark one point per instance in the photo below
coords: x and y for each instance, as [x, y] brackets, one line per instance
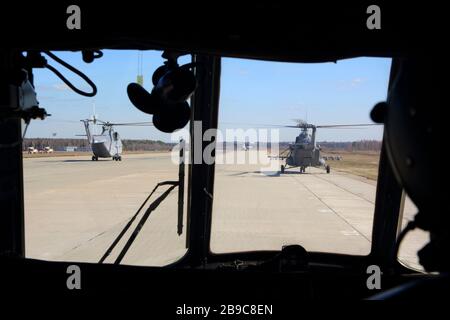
[141, 223]
[181, 188]
[136, 231]
[152, 207]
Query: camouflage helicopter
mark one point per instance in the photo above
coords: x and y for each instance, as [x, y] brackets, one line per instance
[304, 152]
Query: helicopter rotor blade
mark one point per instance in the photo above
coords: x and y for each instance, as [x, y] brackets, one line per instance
[301, 124]
[63, 121]
[337, 126]
[263, 125]
[95, 121]
[260, 125]
[133, 124]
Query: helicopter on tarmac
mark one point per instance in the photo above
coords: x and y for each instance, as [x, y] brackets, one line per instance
[107, 144]
[304, 152]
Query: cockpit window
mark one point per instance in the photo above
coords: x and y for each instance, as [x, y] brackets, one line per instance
[84, 180]
[282, 188]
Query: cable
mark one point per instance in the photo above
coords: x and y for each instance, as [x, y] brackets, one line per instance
[74, 70]
[140, 63]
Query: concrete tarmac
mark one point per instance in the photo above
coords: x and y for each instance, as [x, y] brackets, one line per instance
[76, 207]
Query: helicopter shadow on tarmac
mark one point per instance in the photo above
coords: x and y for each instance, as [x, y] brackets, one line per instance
[82, 160]
[273, 173]
[73, 160]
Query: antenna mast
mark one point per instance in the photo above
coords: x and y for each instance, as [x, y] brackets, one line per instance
[140, 77]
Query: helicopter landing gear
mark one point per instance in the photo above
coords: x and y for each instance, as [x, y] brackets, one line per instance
[327, 168]
[94, 158]
[282, 169]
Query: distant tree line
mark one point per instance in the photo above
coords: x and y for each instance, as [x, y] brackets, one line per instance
[56, 143]
[362, 145]
[60, 144]
[146, 145]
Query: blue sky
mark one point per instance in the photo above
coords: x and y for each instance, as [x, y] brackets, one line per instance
[252, 92]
